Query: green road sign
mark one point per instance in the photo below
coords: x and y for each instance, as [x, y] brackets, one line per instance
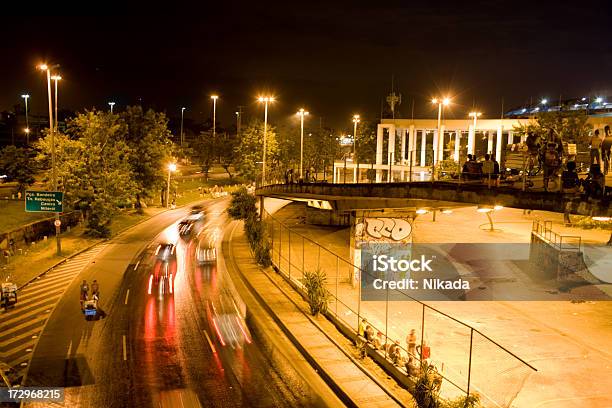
[44, 201]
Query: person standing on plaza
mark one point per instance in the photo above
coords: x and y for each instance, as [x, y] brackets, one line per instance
[595, 144]
[411, 343]
[606, 146]
[552, 162]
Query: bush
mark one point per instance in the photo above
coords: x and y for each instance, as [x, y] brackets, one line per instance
[467, 401]
[262, 253]
[318, 297]
[242, 205]
[427, 387]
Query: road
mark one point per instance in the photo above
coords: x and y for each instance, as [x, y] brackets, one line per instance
[195, 347]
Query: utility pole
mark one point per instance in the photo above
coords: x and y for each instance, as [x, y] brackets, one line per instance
[239, 121]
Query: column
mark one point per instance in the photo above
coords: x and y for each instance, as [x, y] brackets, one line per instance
[435, 146]
[441, 135]
[379, 149]
[391, 152]
[457, 144]
[411, 144]
[423, 146]
[498, 144]
[471, 139]
[510, 137]
[489, 141]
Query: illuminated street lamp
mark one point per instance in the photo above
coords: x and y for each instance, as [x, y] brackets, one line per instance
[356, 120]
[56, 78]
[544, 101]
[475, 116]
[111, 104]
[265, 100]
[171, 168]
[27, 128]
[488, 210]
[441, 102]
[214, 98]
[301, 113]
[45, 67]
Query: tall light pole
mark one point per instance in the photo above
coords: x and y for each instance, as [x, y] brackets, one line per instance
[27, 129]
[45, 67]
[356, 120]
[214, 99]
[441, 103]
[474, 115]
[182, 116]
[56, 78]
[111, 104]
[171, 168]
[301, 113]
[238, 120]
[265, 100]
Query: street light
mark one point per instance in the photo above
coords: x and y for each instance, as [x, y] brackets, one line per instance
[27, 128]
[265, 100]
[45, 67]
[441, 102]
[214, 98]
[171, 168]
[56, 78]
[301, 113]
[111, 104]
[182, 115]
[544, 101]
[474, 115]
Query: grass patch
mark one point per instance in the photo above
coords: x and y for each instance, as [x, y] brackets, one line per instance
[14, 215]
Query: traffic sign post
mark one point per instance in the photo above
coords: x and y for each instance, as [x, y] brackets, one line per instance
[44, 201]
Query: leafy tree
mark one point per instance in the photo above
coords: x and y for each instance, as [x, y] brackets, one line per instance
[568, 126]
[93, 167]
[320, 146]
[18, 164]
[205, 152]
[227, 152]
[366, 141]
[148, 138]
[249, 152]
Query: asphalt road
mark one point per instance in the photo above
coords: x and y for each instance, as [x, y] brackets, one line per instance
[194, 347]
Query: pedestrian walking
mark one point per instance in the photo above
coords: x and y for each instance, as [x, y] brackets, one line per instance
[595, 144]
[95, 289]
[606, 146]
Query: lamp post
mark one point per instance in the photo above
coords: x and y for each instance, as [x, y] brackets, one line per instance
[56, 78]
[182, 115]
[111, 104]
[45, 67]
[27, 129]
[171, 168]
[356, 120]
[265, 100]
[301, 113]
[214, 98]
[475, 115]
[441, 103]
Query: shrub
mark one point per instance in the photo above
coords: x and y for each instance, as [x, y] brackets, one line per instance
[427, 387]
[466, 401]
[318, 297]
[242, 205]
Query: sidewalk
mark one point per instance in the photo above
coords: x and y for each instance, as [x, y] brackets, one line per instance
[289, 311]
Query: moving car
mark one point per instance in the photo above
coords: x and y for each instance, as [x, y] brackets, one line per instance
[206, 252]
[165, 252]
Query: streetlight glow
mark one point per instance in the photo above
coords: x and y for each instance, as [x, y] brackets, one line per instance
[301, 113]
[475, 114]
[438, 154]
[446, 101]
[265, 100]
[214, 96]
[56, 77]
[43, 67]
[111, 104]
[544, 101]
[598, 100]
[172, 167]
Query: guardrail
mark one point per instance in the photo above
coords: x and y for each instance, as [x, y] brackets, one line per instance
[562, 242]
[467, 359]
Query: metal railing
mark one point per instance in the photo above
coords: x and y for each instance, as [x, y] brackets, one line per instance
[468, 360]
[562, 242]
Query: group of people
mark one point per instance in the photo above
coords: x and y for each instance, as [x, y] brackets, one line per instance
[600, 149]
[309, 176]
[393, 349]
[487, 170]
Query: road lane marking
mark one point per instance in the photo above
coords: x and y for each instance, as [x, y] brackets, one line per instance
[127, 294]
[212, 346]
[124, 349]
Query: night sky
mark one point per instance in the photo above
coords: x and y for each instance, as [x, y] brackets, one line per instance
[334, 59]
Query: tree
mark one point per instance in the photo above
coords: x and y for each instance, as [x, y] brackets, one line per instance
[148, 138]
[320, 148]
[93, 167]
[249, 152]
[227, 152]
[366, 141]
[568, 126]
[205, 152]
[18, 165]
